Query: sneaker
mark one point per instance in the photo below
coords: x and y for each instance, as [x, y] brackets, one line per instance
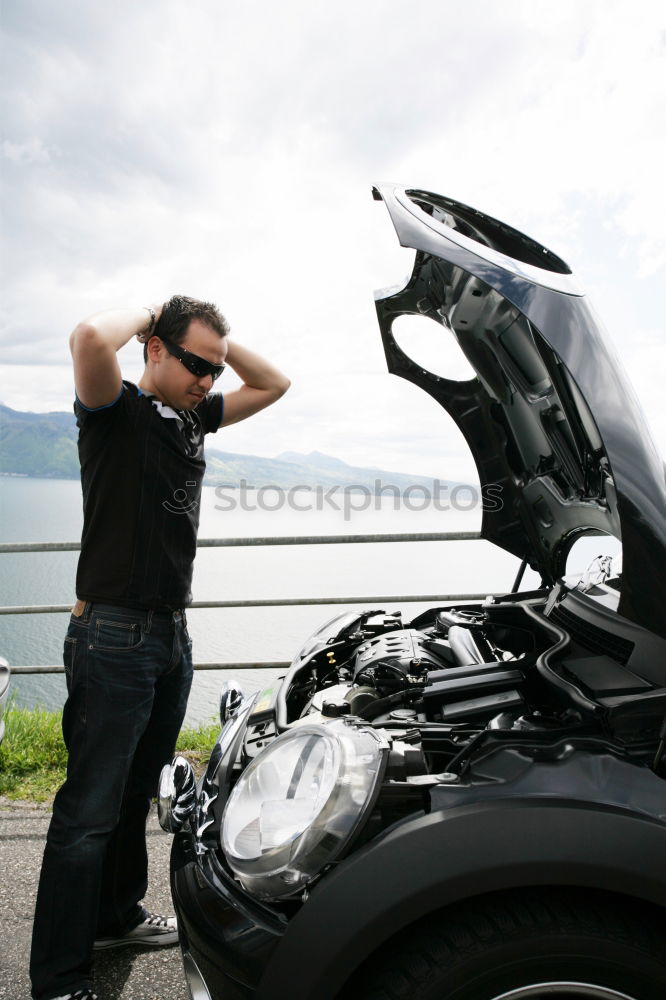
[154, 931]
[79, 995]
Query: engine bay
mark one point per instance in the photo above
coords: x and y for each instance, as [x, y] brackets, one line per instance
[539, 671]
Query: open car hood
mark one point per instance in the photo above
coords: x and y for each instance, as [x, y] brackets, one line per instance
[551, 417]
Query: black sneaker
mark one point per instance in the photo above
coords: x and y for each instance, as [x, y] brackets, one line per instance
[154, 931]
[79, 995]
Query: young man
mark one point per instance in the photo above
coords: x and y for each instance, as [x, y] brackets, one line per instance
[127, 654]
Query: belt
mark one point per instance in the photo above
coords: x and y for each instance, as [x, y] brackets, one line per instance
[164, 609]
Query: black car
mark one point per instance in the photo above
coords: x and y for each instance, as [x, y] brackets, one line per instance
[470, 805]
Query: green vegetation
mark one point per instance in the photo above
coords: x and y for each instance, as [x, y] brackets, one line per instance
[33, 757]
[196, 744]
[38, 444]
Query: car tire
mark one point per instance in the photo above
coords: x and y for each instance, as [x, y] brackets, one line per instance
[546, 944]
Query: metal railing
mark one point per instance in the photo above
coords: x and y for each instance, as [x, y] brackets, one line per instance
[446, 536]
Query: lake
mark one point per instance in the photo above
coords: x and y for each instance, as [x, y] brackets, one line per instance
[50, 510]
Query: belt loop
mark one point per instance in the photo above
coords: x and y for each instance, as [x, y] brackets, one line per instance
[87, 611]
[149, 620]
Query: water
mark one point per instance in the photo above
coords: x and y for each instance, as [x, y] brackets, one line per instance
[50, 510]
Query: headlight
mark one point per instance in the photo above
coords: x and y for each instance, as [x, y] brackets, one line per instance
[297, 805]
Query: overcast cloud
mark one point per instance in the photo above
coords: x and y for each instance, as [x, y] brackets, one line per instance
[228, 151]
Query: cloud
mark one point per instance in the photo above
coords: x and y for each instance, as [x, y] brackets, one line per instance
[31, 151]
[228, 151]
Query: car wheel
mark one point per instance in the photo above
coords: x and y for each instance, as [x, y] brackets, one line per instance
[526, 945]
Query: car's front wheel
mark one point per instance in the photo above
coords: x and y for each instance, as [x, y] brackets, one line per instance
[525, 945]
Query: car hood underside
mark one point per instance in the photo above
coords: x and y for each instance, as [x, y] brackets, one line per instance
[550, 416]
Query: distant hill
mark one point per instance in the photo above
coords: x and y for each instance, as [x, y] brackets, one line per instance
[43, 446]
[38, 444]
[295, 469]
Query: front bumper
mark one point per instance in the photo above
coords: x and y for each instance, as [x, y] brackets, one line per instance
[226, 937]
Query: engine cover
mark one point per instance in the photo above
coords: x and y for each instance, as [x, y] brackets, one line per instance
[407, 650]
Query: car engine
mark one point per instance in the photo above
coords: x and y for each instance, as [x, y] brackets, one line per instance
[544, 675]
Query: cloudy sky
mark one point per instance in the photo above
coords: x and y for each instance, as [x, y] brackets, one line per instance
[228, 151]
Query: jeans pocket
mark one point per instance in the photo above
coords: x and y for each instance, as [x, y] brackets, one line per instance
[74, 658]
[117, 635]
[69, 657]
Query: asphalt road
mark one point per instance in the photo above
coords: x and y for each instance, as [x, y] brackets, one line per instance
[127, 973]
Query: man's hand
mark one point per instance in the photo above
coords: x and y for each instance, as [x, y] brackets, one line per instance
[263, 384]
[94, 343]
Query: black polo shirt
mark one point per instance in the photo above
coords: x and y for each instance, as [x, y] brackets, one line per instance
[142, 466]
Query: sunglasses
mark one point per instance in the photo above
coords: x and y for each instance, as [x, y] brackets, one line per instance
[198, 366]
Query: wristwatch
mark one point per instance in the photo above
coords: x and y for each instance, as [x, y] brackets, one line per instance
[151, 325]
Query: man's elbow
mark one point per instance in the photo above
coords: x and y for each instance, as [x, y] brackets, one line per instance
[282, 385]
[277, 388]
[83, 335]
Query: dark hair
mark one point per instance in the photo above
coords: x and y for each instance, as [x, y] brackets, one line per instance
[177, 314]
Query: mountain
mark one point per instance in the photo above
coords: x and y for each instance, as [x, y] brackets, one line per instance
[43, 445]
[292, 468]
[38, 444]
[314, 458]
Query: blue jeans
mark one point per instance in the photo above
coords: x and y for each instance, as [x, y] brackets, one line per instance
[129, 673]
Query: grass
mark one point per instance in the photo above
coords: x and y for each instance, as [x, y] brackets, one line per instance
[33, 758]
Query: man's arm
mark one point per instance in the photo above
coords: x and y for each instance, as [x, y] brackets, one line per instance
[94, 343]
[263, 384]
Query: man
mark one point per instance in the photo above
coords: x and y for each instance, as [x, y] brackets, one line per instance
[127, 652]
